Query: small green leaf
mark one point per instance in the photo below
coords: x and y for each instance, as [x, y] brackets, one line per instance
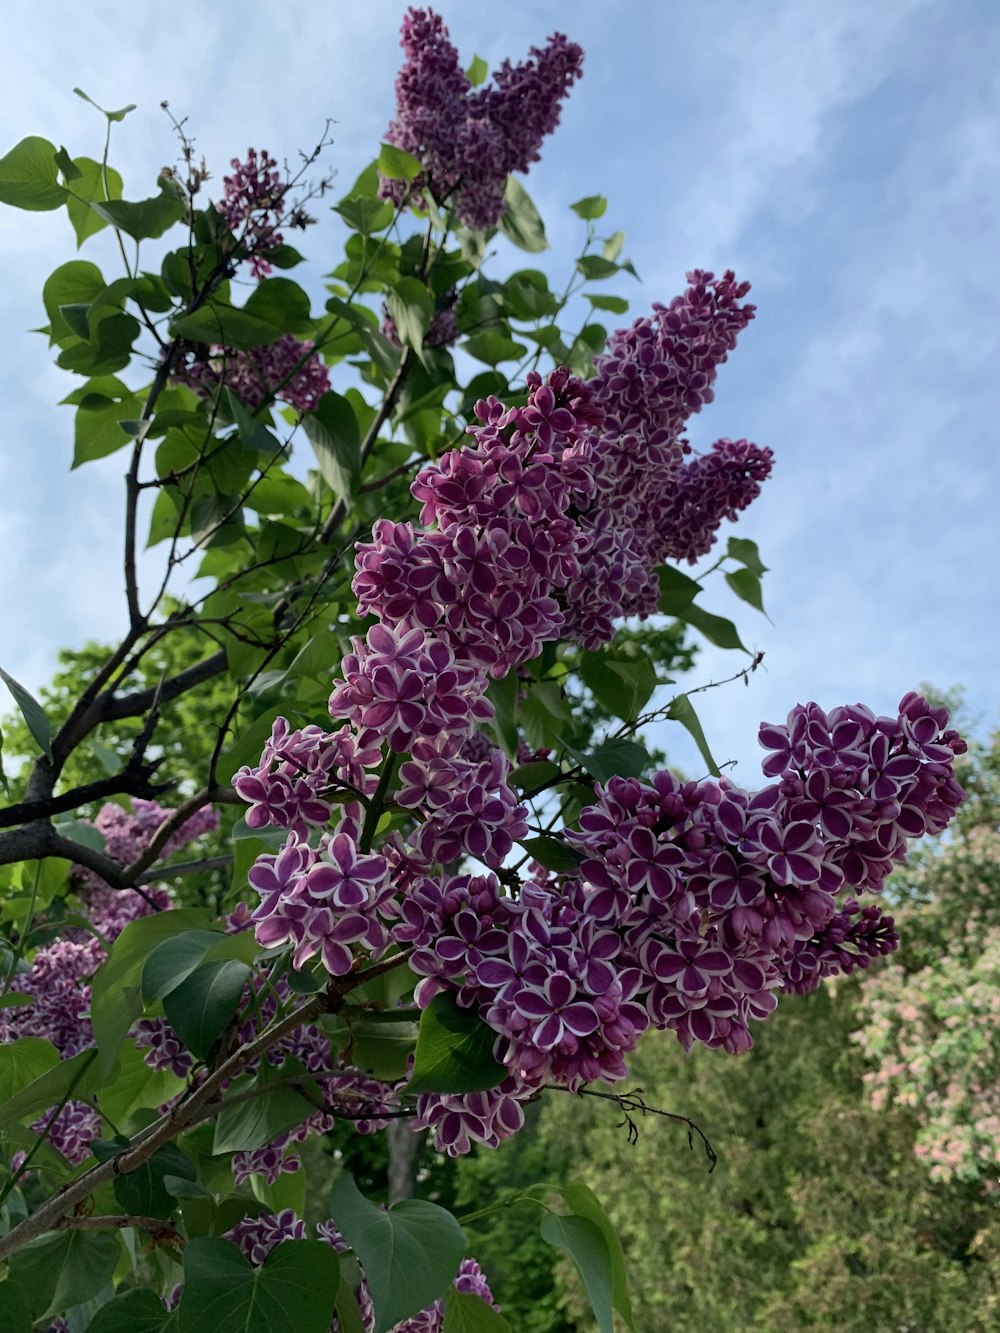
[617, 305]
[682, 710]
[142, 1192]
[32, 712]
[334, 435]
[111, 115]
[520, 221]
[454, 1050]
[294, 1289]
[410, 1252]
[98, 429]
[398, 165]
[621, 681]
[746, 552]
[28, 177]
[366, 216]
[583, 1242]
[594, 267]
[716, 629]
[552, 854]
[493, 347]
[746, 585]
[591, 207]
[530, 777]
[200, 1008]
[465, 1312]
[477, 71]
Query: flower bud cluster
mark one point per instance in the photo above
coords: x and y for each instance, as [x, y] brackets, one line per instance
[469, 141]
[253, 205]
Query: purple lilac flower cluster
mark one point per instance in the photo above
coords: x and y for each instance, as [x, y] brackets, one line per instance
[253, 205]
[469, 141]
[257, 1237]
[694, 904]
[653, 501]
[58, 978]
[283, 369]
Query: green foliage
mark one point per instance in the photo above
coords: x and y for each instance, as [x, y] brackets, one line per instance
[454, 1050]
[817, 1215]
[410, 1252]
[294, 1288]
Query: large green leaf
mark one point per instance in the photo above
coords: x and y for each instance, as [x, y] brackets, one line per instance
[465, 1312]
[282, 303]
[146, 219]
[334, 435]
[293, 1292]
[64, 1269]
[621, 679]
[115, 997]
[142, 1192]
[585, 1203]
[716, 629]
[200, 1008]
[411, 307]
[454, 1050]
[677, 590]
[252, 1123]
[520, 221]
[105, 407]
[379, 1048]
[79, 1075]
[615, 758]
[682, 710]
[397, 164]
[15, 1312]
[173, 960]
[232, 326]
[136, 1311]
[22, 1061]
[28, 177]
[32, 712]
[583, 1242]
[88, 188]
[410, 1252]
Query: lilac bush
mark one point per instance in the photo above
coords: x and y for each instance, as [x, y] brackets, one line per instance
[446, 894]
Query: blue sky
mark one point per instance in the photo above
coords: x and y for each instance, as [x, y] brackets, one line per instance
[844, 158]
